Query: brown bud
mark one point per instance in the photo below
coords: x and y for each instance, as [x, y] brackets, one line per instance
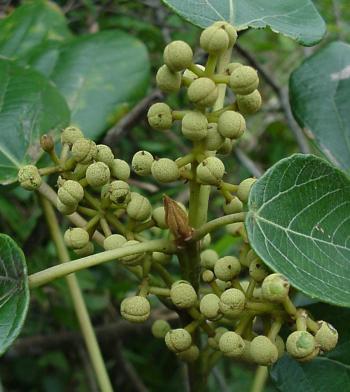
[47, 143]
[176, 219]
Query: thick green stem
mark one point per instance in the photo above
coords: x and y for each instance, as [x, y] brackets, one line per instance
[78, 302]
[260, 379]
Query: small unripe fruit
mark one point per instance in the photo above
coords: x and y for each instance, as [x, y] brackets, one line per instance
[218, 37]
[191, 75]
[178, 55]
[227, 268]
[114, 241]
[244, 189]
[135, 309]
[249, 104]
[134, 259]
[209, 306]
[165, 170]
[105, 155]
[234, 229]
[84, 150]
[119, 192]
[29, 177]
[120, 170]
[231, 344]
[159, 116]
[47, 143]
[232, 67]
[206, 241]
[230, 30]
[65, 209]
[183, 295]
[178, 340]
[257, 270]
[244, 80]
[326, 336]
[70, 193]
[309, 357]
[210, 171]
[214, 140]
[250, 257]
[167, 80]
[208, 258]
[142, 162]
[194, 126]
[97, 174]
[158, 216]
[189, 355]
[71, 134]
[263, 351]
[161, 258]
[231, 124]
[76, 238]
[160, 328]
[275, 288]
[300, 344]
[222, 284]
[226, 147]
[214, 341]
[203, 92]
[232, 302]
[234, 206]
[138, 208]
[208, 276]
[87, 250]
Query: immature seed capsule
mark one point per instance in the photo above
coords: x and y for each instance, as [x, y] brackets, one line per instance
[244, 80]
[165, 170]
[178, 340]
[208, 276]
[29, 177]
[230, 30]
[120, 170]
[71, 134]
[133, 259]
[231, 124]
[161, 258]
[189, 355]
[84, 150]
[218, 37]
[234, 229]
[183, 295]
[234, 206]
[210, 171]
[208, 258]
[206, 241]
[135, 309]
[87, 250]
[76, 238]
[167, 80]
[142, 162]
[249, 104]
[191, 75]
[70, 193]
[159, 116]
[97, 174]
[232, 67]
[326, 336]
[203, 92]
[160, 328]
[257, 270]
[231, 344]
[209, 306]
[158, 216]
[194, 126]
[214, 140]
[114, 241]
[214, 341]
[178, 55]
[232, 302]
[300, 344]
[64, 209]
[275, 288]
[105, 155]
[226, 147]
[244, 189]
[227, 268]
[138, 208]
[119, 192]
[263, 351]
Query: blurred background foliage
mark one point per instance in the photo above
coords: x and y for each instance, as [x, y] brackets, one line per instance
[50, 355]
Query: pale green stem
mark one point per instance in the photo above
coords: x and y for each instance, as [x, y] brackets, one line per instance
[78, 302]
[58, 271]
[260, 379]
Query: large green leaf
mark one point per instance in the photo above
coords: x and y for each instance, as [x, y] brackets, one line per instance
[299, 224]
[320, 94]
[297, 19]
[29, 107]
[99, 75]
[29, 25]
[14, 291]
